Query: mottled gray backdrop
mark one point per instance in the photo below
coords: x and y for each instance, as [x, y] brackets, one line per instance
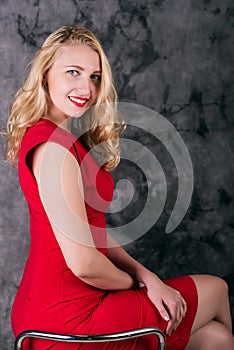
[175, 57]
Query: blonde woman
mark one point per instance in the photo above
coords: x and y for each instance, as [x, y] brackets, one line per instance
[77, 279]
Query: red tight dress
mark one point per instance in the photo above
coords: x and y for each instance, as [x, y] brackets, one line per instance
[51, 298]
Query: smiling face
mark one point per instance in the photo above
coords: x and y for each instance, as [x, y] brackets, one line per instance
[73, 81]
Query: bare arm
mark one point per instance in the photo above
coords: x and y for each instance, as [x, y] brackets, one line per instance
[60, 186]
[127, 263]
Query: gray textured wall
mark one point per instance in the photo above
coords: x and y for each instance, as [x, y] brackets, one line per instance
[173, 56]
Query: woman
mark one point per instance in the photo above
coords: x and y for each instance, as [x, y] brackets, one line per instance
[77, 279]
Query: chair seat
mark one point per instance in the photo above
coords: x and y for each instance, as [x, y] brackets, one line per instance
[92, 338]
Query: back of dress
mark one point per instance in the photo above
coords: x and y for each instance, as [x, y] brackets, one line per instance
[48, 284]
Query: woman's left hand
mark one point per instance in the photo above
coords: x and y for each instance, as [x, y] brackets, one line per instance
[168, 301]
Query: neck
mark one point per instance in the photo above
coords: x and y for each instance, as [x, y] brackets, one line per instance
[64, 124]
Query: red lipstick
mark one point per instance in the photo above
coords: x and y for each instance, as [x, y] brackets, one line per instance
[78, 101]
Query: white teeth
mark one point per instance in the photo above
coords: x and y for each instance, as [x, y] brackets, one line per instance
[77, 100]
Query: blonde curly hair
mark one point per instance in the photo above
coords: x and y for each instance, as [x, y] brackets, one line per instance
[31, 102]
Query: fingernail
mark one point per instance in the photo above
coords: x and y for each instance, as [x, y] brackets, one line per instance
[166, 318]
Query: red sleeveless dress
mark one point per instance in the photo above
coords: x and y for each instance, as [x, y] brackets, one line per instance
[51, 298]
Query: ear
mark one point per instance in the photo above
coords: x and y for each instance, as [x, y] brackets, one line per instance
[44, 82]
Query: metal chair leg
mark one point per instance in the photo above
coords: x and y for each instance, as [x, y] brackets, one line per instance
[92, 338]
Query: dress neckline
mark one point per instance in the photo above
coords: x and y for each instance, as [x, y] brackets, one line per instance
[73, 136]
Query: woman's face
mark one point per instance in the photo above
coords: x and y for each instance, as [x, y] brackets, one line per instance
[73, 81]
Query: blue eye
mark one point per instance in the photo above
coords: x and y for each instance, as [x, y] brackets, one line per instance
[96, 77]
[73, 72]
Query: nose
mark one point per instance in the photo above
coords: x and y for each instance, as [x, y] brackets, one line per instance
[83, 85]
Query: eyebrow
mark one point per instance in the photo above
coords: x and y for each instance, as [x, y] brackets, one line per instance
[81, 68]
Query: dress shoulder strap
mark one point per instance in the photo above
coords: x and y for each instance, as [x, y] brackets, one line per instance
[44, 131]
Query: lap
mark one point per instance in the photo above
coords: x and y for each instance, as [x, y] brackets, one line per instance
[124, 310]
[132, 309]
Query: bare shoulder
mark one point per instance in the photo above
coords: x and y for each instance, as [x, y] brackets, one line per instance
[52, 156]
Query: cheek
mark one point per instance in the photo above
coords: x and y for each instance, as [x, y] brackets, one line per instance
[95, 91]
[56, 90]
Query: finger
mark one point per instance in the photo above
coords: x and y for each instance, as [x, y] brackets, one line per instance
[181, 311]
[174, 328]
[173, 318]
[170, 327]
[163, 312]
[184, 307]
[177, 312]
[183, 304]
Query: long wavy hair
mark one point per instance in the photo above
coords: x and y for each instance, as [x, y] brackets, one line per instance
[31, 102]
